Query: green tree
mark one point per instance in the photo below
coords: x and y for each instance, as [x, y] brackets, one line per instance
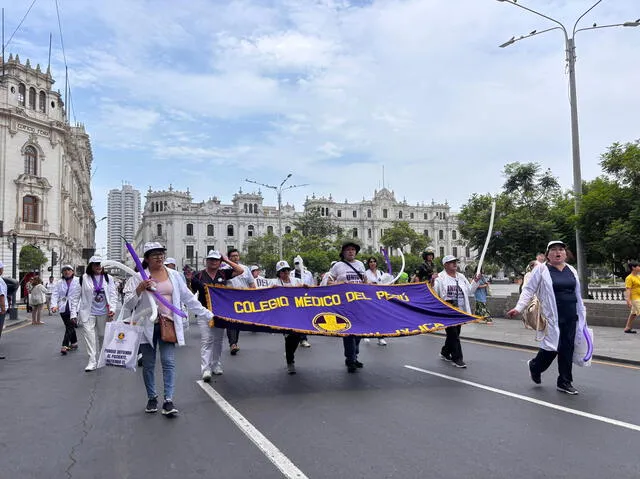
[401, 235]
[312, 223]
[31, 258]
[522, 224]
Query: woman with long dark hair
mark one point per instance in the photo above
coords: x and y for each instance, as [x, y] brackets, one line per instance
[98, 301]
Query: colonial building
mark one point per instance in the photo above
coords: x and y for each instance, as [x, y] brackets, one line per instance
[45, 165]
[123, 216]
[190, 229]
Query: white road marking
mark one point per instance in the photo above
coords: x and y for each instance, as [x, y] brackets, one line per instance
[539, 402]
[282, 462]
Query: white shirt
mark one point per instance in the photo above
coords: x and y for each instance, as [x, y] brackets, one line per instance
[292, 282]
[244, 280]
[455, 289]
[3, 292]
[373, 277]
[343, 273]
[305, 275]
[262, 282]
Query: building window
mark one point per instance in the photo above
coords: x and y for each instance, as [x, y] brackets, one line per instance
[246, 208]
[426, 233]
[385, 213]
[399, 215]
[355, 214]
[339, 213]
[369, 233]
[454, 235]
[22, 93]
[190, 251]
[339, 231]
[255, 208]
[211, 247]
[454, 251]
[250, 208]
[441, 251]
[355, 232]
[425, 216]
[229, 230]
[250, 230]
[32, 98]
[269, 230]
[30, 161]
[287, 229]
[440, 234]
[159, 230]
[42, 104]
[209, 230]
[189, 229]
[30, 209]
[411, 215]
[467, 252]
[368, 213]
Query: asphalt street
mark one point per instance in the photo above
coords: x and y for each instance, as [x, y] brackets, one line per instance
[404, 415]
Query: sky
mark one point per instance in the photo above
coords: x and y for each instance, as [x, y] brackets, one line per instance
[207, 93]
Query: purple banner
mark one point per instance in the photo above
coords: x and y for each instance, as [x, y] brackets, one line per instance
[337, 310]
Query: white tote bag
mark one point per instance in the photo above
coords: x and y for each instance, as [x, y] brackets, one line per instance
[583, 347]
[120, 346]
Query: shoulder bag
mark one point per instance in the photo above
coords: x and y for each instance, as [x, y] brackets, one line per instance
[167, 329]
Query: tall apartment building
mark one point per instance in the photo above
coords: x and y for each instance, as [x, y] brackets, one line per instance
[45, 171]
[123, 219]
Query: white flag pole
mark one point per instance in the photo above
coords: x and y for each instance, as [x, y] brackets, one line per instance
[486, 242]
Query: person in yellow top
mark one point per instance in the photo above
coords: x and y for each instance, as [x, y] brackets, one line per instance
[632, 294]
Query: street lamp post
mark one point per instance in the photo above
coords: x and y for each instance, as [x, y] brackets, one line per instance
[278, 189]
[13, 312]
[570, 48]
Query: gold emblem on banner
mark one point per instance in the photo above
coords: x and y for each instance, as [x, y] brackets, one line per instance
[120, 335]
[331, 323]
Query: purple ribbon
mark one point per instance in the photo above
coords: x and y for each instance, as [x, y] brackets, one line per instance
[386, 258]
[587, 337]
[145, 277]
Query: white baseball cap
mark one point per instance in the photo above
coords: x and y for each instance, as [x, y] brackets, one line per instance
[95, 259]
[255, 267]
[449, 258]
[150, 246]
[214, 254]
[280, 265]
[67, 266]
[554, 243]
[1, 265]
[170, 261]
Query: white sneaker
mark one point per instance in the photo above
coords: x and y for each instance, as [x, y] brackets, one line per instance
[305, 344]
[217, 370]
[382, 342]
[91, 367]
[206, 375]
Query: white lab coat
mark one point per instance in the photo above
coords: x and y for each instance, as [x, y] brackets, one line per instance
[540, 277]
[440, 287]
[86, 296]
[60, 296]
[181, 295]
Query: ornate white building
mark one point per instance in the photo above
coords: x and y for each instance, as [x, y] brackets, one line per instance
[45, 165]
[190, 229]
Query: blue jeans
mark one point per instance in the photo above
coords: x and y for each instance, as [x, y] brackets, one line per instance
[168, 361]
[351, 347]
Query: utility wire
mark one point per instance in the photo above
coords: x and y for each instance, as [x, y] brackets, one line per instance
[19, 24]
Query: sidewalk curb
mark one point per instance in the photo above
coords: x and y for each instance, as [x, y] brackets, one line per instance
[599, 357]
[14, 324]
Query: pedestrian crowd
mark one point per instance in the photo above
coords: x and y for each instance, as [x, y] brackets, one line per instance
[89, 301]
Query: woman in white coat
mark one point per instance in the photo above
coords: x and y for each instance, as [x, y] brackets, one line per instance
[98, 300]
[169, 284]
[558, 289]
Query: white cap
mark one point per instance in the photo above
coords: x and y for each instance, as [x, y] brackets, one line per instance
[554, 243]
[297, 260]
[214, 254]
[67, 266]
[280, 265]
[449, 258]
[151, 246]
[170, 261]
[95, 259]
[255, 267]
[1, 265]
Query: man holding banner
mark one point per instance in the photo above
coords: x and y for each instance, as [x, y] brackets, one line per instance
[455, 289]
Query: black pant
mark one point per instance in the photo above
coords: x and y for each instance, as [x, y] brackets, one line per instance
[351, 347]
[544, 358]
[291, 342]
[452, 347]
[69, 330]
[233, 334]
[2, 316]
